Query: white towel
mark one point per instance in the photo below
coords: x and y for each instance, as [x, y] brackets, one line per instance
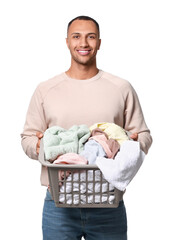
[86, 189]
[83, 199]
[120, 171]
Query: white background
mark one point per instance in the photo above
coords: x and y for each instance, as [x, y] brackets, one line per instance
[136, 45]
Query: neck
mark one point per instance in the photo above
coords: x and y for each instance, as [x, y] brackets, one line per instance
[82, 72]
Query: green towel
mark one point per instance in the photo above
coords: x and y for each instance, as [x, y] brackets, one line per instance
[58, 141]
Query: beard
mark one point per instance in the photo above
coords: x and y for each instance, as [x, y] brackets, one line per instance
[83, 60]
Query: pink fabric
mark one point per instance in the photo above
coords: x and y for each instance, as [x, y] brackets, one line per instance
[110, 146]
[68, 158]
[98, 131]
[114, 146]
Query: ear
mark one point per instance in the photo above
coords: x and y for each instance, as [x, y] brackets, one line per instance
[99, 43]
[67, 42]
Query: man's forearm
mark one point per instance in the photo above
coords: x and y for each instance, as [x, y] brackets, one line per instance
[29, 146]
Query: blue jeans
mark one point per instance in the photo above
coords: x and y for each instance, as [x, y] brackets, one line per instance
[90, 223]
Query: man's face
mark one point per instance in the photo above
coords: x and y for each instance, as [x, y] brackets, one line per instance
[83, 41]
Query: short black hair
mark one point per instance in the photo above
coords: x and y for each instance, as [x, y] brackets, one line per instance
[86, 18]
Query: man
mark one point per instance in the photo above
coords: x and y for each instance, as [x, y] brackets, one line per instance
[83, 95]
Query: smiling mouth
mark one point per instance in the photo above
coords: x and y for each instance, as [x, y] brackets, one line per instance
[83, 52]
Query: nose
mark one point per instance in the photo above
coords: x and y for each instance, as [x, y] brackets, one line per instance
[83, 42]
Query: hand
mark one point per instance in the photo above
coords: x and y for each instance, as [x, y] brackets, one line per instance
[134, 136]
[39, 136]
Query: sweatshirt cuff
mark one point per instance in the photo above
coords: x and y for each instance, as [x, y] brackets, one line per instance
[145, 142]
[29, 147]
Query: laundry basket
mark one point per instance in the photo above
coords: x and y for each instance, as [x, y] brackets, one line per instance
[68, 192]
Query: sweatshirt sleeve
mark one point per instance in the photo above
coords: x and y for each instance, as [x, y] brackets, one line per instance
[134, 121]
[35, 122]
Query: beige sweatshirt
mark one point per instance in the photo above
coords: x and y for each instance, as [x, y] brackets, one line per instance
[65, 102]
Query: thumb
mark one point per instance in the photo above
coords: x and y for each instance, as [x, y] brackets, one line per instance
[39, 134]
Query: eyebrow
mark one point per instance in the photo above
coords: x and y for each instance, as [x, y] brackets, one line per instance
[87, 33]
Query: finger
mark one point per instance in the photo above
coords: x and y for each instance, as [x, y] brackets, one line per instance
[37, 150]
[134, 136]
[38, 146]
[38, 143]
[39, 134]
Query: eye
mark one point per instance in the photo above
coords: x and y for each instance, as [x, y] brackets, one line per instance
[91, 36]
[75, 36]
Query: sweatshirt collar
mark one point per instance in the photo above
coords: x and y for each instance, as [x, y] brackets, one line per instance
[82, 81]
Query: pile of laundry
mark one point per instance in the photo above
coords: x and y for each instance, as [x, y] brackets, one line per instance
[106, 145]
